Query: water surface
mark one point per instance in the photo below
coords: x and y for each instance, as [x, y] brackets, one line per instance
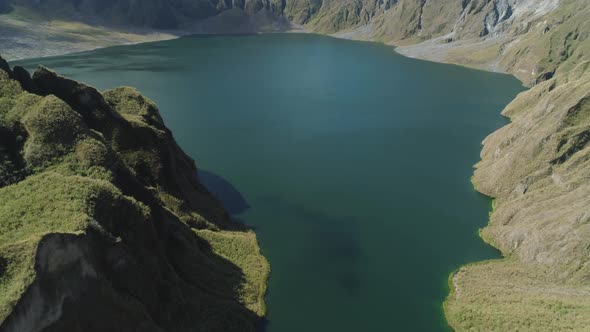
[353, 163]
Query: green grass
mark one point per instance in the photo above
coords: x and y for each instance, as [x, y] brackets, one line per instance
[130, 102]
[17, 260]
[42, 204]
[53, 128]
[241, 248]
[67, 178]
[499, 295]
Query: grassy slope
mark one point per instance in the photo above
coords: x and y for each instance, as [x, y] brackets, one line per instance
[59, 175]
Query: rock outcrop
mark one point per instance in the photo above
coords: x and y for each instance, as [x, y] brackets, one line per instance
[104, 223]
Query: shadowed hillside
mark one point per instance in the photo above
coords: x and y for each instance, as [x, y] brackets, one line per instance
[103, 215]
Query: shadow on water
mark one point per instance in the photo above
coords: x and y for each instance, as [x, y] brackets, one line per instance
[263, 326]
[333, 245]
[334, 238]
[147, 56]
[233, 201]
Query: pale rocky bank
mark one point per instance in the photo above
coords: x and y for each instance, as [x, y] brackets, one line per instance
[537, 168]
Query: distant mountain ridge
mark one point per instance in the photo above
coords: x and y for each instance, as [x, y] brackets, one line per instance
[158, 14]
[328, 15]
[494, 25]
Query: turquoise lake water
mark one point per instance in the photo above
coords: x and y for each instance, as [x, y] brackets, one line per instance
[352, 163]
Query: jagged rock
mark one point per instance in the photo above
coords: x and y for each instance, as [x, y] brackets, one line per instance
[5, 67]
[86, 99]
[24, 78]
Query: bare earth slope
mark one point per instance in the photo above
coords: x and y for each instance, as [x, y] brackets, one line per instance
[537, 168]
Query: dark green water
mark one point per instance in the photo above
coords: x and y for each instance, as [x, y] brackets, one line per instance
[354, 164]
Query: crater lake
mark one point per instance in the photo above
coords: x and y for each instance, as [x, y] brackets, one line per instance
[352, 163]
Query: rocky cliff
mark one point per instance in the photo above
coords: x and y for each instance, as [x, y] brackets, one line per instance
[102, 210]
[537, 168]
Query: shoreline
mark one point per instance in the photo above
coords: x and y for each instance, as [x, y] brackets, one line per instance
[453, 275]
[412, 51]
[395, 48]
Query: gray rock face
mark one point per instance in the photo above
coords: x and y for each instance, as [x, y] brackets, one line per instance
[501, 11]
[24, 78]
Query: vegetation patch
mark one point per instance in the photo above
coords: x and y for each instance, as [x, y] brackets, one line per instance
[107, 169]
[241, 248]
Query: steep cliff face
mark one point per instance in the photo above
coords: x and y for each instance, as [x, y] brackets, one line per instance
[104, 225]
[493, 35]
[334, 15]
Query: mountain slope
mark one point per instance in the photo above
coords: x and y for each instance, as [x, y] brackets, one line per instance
[537, 168]
[103, 215]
